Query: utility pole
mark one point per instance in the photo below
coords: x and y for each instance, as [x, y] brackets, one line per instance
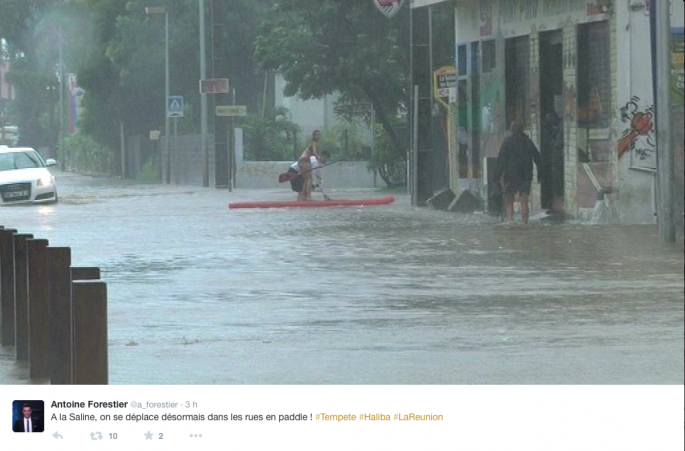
[150, 10]
[665, 160]
[412, 153]
[219, 69]
[166, 100]
[62, 150]
[203, 98]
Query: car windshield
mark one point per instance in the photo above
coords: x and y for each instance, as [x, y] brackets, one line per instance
[19, 160]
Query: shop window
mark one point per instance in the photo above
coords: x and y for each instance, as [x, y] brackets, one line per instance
[475, 58]
[518, 80]
[594, 75]
[489, 56]
[462, 59]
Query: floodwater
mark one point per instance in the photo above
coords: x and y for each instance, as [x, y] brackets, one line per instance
[199, 294]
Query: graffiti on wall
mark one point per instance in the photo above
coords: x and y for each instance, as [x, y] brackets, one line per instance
[485, 18]
[595, 7]
[638, 137]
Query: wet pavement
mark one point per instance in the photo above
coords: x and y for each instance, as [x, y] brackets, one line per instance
[199, 294]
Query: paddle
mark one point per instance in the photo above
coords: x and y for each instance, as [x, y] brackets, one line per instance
[288, 176]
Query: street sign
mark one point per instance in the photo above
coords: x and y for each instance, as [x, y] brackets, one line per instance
[155, 135]
[231, 111]
[175, 106]
[445, 78]
[214, 86]
[155, 10]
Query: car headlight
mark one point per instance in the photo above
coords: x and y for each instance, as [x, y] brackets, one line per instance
[45, 180]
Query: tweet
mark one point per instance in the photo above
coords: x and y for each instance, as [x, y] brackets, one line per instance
[340, 418]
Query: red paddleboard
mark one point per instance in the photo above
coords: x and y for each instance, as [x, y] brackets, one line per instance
[314, 204]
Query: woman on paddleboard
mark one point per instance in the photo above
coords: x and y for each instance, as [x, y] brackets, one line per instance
[303, 184]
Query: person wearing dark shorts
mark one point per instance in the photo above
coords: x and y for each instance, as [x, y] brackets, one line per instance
[297, 184]
[515, 168]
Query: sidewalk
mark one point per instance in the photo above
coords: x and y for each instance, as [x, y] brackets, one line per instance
[11, 372]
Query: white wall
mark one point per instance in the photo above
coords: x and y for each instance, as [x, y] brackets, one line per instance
[314, 114]
[343, 175]
[310, 115]
[636, 167]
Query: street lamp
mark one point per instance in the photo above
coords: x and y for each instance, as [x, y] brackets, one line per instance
[203, 97]
[154, 10]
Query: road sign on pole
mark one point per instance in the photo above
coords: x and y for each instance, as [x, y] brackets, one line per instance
[231, 111]
[175, 106]
[214, 86]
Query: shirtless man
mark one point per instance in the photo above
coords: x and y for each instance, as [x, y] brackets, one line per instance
[305, 167]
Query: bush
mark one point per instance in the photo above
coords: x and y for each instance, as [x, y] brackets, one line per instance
[149, 173]
[269, 138]
[85, 155]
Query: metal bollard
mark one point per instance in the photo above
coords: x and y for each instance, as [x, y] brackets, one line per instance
[39, 311]
[61, 352]
[21, 298]
[7, 286]
[84, 273]
[90, 333]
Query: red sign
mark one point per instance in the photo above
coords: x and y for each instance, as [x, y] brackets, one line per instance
[389, 7]
[214, 86]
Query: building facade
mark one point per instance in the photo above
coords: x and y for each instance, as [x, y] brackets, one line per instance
[578, 74]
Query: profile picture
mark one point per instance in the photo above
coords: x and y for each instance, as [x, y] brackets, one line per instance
[27, 416]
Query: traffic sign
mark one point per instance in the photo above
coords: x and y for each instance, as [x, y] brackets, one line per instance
[175, 106]
[214, 86]
[231, 111]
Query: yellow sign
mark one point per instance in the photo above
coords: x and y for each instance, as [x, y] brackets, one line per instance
[231, 111]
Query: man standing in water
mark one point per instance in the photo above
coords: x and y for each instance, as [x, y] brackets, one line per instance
[515, 167]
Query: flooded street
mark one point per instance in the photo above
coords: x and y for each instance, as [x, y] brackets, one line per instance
[199, 294]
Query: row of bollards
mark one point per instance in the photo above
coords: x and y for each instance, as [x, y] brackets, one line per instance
[53, 314]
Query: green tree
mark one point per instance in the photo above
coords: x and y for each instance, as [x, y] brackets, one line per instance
[29, 27]
[124, 74]
[269, 137]
[327, 46]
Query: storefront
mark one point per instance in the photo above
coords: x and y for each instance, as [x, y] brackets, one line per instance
[577, 73]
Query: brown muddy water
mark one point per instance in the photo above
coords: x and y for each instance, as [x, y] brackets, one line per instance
[199, 294]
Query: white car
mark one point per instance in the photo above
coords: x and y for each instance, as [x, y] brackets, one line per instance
[25, 178]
